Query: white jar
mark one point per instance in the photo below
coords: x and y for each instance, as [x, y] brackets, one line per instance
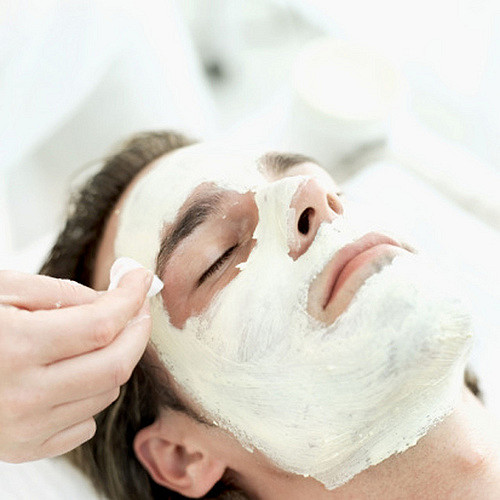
[342, 99]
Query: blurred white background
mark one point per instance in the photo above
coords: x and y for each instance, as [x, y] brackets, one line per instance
[78, 76]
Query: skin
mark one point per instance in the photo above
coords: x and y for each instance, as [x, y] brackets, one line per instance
[54, 334]
[458, 458]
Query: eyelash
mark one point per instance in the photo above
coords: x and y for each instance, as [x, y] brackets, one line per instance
[216, 265]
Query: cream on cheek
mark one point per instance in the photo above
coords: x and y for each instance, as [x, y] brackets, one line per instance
[325, 401]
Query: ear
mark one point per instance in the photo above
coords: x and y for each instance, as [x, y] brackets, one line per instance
[177, 455]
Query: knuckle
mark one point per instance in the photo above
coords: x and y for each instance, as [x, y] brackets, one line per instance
[121, 372]
[105, 331]
[67, 290]
[107, 400]
[138, 300]
[115, 394]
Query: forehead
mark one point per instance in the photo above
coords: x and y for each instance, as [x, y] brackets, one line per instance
[174, 177]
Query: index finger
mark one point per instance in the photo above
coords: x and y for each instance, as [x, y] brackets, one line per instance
[33, 291]
[80, 329]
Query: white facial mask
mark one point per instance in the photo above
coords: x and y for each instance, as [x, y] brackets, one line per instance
[321, 401]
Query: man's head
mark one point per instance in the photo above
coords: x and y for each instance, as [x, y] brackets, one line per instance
[258, 264]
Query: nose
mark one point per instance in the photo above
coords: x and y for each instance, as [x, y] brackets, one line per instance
[313, 205]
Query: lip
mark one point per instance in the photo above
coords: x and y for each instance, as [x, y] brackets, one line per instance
[345, 255]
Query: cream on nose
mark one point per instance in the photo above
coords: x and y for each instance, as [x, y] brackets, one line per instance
[312, 205]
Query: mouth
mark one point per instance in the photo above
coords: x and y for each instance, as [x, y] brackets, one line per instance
[354, 263]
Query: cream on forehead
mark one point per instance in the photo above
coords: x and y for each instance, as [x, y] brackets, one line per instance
[156, 198]
[321, 401]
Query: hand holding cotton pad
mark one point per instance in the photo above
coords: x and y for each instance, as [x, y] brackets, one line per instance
[122, 266]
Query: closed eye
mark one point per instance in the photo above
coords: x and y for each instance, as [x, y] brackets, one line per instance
[216, 265]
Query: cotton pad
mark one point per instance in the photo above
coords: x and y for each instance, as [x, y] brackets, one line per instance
[122, 266]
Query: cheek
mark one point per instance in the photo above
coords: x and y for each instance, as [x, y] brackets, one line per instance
[181, 302]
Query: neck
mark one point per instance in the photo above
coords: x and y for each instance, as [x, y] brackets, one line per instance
[458, 458]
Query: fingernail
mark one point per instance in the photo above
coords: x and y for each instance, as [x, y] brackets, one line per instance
[123, 265]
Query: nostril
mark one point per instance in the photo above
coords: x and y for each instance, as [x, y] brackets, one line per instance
[334, 204]
[303, 224]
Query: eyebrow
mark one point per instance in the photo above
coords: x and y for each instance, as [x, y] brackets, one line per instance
[196, 212]
[279, 163]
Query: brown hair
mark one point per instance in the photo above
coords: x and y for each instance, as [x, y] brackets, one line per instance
[108, 459]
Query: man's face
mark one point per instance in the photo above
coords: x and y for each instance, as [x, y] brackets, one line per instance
[210, 231]
[292, 328]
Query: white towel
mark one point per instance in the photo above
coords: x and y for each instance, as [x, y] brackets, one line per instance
[48, 479]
